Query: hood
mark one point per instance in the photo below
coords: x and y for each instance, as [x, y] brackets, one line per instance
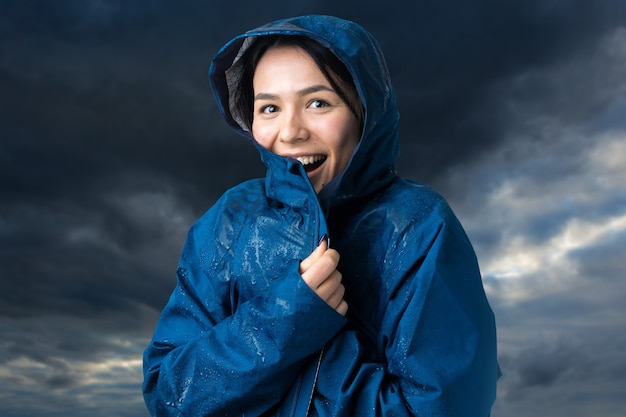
[373, 164]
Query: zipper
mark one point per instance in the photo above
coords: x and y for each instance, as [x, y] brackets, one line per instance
[321, 229]
[317, 373]
[307, 381]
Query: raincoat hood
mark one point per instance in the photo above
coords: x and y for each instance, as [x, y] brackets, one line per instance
[373, 163]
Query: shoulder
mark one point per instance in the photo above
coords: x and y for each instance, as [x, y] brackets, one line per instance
[413, 202]
[416, 210]
[216, 232]
[241, 197]
[233, 206]
[243, 194]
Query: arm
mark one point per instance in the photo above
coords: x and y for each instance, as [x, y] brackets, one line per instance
[435, 353]
[210, 356]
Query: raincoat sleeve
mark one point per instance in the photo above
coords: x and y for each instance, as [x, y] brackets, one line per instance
[209, 356]
[435, 353]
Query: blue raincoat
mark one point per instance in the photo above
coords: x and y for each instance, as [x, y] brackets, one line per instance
[243, 335]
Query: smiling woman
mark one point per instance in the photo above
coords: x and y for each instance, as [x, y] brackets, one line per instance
[267, 318]
[299, 114]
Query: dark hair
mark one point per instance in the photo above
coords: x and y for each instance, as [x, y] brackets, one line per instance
[242, 93]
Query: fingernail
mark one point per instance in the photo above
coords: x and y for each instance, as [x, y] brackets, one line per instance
[323, 238]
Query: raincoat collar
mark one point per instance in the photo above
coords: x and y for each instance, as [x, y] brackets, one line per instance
[373, 164]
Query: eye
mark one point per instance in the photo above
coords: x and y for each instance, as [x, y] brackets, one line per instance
[318, 104]
[268, 109]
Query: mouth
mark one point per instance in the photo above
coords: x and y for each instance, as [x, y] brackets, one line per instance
[312, 162]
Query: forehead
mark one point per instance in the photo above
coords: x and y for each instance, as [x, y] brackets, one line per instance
[280, 64]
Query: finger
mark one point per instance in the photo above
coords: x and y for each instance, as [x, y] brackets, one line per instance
[314, 256]
[336, 297]
[329, 287]
[321, 269]
[342, 308]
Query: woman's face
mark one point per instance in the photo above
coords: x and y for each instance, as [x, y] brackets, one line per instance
[298, 114]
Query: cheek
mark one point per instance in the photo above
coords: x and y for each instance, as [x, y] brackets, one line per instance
[262, 134]
[346, 137]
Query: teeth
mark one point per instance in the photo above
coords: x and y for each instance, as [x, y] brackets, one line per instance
[307, 160]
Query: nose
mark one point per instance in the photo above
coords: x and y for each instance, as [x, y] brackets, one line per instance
[292, 128]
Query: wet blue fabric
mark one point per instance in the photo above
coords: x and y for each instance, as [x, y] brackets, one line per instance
[242, 333]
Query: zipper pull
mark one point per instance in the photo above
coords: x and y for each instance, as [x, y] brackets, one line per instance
[324, 238]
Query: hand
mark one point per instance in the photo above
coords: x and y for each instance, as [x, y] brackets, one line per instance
[319, 271]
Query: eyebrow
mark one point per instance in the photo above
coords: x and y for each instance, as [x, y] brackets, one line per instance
[304, 92]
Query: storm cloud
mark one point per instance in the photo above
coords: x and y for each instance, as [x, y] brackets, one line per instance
[111, 146]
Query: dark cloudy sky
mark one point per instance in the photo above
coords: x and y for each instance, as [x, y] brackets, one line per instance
[111, 146]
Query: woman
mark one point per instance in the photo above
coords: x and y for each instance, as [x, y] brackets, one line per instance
[331, 287]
